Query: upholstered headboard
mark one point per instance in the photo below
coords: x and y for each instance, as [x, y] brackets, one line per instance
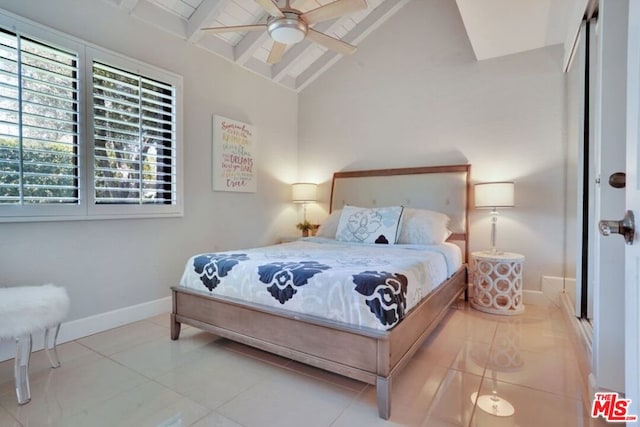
[439, 188]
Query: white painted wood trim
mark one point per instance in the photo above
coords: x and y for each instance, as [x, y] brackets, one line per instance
[573, 32]
[376, 18]
[609, 156]
[552, 289]
[632, 253]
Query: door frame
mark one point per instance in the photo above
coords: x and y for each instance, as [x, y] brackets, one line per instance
[608, 253]
[632, 201]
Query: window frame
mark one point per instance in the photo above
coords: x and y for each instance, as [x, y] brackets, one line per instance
[86, 208]
[132, 210]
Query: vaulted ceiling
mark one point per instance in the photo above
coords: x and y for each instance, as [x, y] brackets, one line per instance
[495, 27]
[300, 64]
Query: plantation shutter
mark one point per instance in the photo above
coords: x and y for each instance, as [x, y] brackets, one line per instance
[134, 121]
[38, 122]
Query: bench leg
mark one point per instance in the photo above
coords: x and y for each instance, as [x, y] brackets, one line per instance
[21, 368]
[53, 359]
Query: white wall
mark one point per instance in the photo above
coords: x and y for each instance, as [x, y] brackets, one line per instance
[502, 27]
[107, 265]
[414, 95]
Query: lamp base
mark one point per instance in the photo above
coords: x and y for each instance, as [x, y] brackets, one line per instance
[493, 251]
[493, 405]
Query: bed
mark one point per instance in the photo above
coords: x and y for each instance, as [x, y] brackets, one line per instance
[376, 338]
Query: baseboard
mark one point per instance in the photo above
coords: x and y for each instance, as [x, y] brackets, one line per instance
[581, 339]
[552, 288]
[534, 298]
[80, 328]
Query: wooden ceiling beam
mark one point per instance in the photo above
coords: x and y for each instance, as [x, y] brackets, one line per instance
[242, 53]
[250, 42]
[158, 17]
[281, 69]
[371, 22]
[204, 14]
[128, 4]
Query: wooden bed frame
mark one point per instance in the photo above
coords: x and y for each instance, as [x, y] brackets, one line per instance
[364, 354]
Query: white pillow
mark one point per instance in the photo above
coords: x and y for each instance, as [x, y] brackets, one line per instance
[423, 227]
[369, 225]
[329, 227]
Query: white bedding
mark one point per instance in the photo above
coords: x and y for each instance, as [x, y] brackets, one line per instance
[365, 285]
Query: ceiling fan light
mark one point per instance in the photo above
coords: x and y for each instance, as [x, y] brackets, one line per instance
[288, 30]
[287, 35]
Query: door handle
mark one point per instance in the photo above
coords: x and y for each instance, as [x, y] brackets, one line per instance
[618, 180]
[626, 227]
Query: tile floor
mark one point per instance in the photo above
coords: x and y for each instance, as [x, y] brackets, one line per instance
[136, 376]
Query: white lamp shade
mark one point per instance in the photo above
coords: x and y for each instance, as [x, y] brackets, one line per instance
[288, 29]
[304, 192]
[490, 195]
[288, 35]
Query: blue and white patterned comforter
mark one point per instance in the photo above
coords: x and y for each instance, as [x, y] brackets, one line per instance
[366, 285]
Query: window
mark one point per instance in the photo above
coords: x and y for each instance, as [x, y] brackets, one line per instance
[84, 133]
[134, 121]
[38, 122]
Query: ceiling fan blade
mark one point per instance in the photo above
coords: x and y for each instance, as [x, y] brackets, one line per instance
[330, 42]
[235, 28]
[272, 7]
[333, 10]
[276, 53]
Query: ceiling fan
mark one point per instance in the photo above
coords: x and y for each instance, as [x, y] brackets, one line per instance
[288, 26]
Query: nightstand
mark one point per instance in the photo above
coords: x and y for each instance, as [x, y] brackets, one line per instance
[497, 282]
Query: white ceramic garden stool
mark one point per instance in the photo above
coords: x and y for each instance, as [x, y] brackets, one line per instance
[25, 310]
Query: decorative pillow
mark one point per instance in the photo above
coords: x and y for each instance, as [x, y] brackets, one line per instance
[329, 227]
[369, 225]
[423, 227]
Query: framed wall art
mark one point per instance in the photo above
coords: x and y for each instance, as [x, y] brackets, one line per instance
[234, 149]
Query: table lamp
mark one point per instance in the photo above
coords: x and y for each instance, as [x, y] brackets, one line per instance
[304, 192]
[494, 195]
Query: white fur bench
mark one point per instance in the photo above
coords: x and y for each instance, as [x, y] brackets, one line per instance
[23, 311]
